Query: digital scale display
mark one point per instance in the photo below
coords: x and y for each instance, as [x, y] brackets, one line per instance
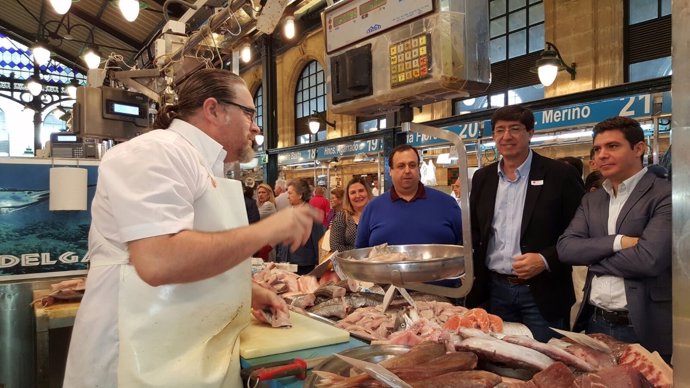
[345, 17]
[125, 109]
[371, 5]
[350, 21]
[60, 138]
[119, 109]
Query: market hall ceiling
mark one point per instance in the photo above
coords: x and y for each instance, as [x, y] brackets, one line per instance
[99, 21]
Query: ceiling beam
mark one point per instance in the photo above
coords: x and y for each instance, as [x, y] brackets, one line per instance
[100, 25]
[27, 38]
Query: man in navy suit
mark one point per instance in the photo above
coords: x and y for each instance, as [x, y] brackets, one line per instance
[623, 234]
[519, 207]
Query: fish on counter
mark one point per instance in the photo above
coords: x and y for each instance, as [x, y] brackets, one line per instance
[554, 352]
[66, 290]
[495, 350]
[281, 319]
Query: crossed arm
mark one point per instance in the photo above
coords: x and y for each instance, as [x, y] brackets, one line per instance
[645, 255]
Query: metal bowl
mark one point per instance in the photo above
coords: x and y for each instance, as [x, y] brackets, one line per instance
[372, 353]
[428, 262]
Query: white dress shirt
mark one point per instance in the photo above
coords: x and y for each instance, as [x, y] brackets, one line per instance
[608, 292]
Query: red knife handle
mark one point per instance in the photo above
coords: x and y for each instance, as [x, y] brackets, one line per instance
[297, 367]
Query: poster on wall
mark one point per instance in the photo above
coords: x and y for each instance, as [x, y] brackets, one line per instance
[34, 241]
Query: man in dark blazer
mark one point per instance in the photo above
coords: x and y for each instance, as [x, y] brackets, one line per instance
[519, 207]
[623, 234]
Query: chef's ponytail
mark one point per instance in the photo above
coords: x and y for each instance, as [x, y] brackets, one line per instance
[165, 116]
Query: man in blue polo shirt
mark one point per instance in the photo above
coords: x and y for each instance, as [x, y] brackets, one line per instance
[409, 213]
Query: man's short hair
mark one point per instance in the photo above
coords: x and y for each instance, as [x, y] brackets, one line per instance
[402, 148]
[632, 131]
[514, 113]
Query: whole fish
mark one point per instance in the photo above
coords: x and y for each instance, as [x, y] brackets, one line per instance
[500, 351]
[552, 351]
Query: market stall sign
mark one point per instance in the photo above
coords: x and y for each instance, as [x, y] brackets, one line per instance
[295, 157]
[580, 115]
[350, 149]
[469, 130]
[36, 242]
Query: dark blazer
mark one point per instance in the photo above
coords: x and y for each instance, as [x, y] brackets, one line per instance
[553, 194]
[646, 267]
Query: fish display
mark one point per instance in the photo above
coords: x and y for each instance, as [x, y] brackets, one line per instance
[460, 340]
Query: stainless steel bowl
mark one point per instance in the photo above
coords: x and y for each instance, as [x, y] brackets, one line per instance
[430, 262]
[372, 353]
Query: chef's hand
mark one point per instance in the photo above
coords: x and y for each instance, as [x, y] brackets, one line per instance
[291, 226]
[263, 298]
[528, 265]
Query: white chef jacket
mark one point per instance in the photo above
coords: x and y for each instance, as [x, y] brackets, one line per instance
[146, 187]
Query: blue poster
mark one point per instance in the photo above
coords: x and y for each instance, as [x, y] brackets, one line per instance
[34, 241]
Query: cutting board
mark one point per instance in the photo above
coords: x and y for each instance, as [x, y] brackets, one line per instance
[259, 339]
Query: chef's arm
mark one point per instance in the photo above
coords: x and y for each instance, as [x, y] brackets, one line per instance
[189, 255]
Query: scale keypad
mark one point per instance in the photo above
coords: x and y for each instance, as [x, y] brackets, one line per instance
[410, 60]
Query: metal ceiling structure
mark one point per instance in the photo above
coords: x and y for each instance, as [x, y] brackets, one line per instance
[100, 23]
[88, 22]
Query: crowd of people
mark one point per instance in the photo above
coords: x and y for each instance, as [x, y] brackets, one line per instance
[531, 223]
[169, 238]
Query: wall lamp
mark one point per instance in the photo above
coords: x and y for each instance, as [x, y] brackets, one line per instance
[550, 63]
[315, 123]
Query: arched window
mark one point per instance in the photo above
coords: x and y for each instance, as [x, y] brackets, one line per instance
[310, 98]
[4, 136]
[516, 41]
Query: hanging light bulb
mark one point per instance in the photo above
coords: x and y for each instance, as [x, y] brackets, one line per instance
[92, 59]
[61, 6]
[40, 54]
[246, 52]
[129, 9]
[33, 83]
[289, 27]
[72, 89]
[259, 139]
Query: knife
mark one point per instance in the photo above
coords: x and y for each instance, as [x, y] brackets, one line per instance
[273, 370]
[376, 371]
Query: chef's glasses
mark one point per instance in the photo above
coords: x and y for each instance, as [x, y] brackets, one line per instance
[250, 112]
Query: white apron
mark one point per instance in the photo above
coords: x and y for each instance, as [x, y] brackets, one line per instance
[186, 335]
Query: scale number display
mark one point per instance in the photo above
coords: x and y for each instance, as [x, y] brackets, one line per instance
[351, 21]
[410, 60]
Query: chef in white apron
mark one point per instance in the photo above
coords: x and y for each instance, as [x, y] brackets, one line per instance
[169, 288]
